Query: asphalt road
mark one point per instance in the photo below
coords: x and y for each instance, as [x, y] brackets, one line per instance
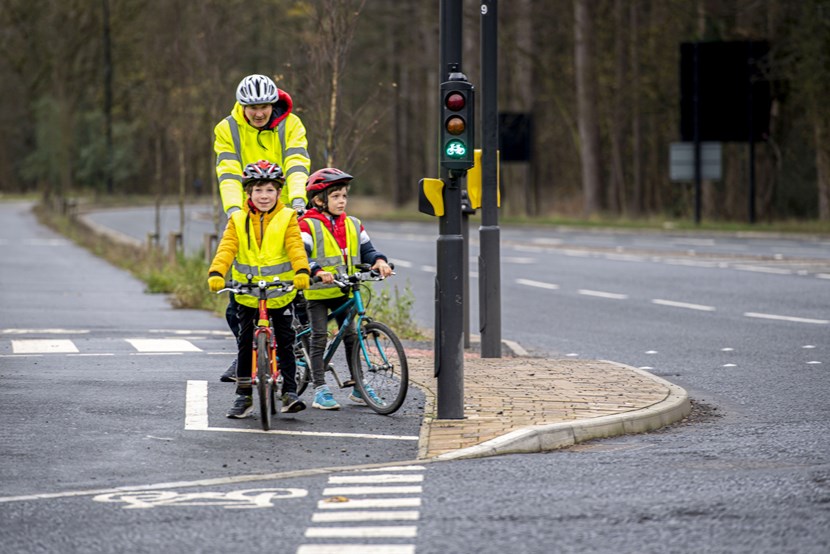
[740, 322]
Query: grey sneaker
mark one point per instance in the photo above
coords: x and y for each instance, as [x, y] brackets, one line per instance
[242, 407]
[291, 403]
[230, 374]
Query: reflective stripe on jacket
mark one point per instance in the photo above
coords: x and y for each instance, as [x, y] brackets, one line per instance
[328, 255]
[266, 261]
[237, 143]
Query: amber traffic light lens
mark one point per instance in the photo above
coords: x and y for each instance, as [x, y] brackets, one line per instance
[455, 125]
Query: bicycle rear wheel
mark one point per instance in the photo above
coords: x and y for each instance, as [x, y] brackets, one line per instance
[380, 359]
[264, 385]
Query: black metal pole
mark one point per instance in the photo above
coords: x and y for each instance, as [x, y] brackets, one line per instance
[107, 47]
[696, 130]
[449, 353]
[751, 193]
[489, 261]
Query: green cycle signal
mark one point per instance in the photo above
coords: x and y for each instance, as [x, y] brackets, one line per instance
[455, 149]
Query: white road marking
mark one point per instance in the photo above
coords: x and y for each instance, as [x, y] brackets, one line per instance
[385, 531]
[393, 515]
[370, 503]
[163, 345]
[401, 263]
[823, 275]
[602, 294]
[729, 365]
[44, 331]
[813, 362]
[538, 284]
[396, 468]
[808, 346]
[373, 479]
[761, 269]
[196, 419]
[686, 305]
[727, 349]
[347, 491]
[787, 318]
[651, 352]
[429, 268]
[195, 407]
[356, 549]
[43, 346]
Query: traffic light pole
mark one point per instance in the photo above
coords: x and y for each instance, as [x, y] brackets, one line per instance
[449, 288]
[489, 261]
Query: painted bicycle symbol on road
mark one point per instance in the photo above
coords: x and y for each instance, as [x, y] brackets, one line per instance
[244, 499]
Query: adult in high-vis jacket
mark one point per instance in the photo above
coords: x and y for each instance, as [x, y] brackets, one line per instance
[261, 126]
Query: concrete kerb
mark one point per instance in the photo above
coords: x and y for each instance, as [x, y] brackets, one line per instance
[541, 438]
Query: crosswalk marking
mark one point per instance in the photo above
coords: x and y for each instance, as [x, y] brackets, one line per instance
[163, 345]
[377, 515]
[360, 522]
[385, 531]
[380, 478]
[43, 346]
[346, 491]
[356, 549]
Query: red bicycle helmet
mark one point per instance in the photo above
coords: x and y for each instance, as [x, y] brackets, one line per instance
[324, 178]
[263, 170]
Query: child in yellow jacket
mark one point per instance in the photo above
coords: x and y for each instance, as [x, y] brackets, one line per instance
[263, 238]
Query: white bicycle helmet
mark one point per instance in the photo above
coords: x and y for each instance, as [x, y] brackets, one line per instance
[257, 89]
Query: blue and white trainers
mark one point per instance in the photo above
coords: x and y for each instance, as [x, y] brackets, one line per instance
[357, 398]
[323, 399]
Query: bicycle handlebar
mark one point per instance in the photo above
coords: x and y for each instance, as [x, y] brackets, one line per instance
[246, 288]
[364, 273]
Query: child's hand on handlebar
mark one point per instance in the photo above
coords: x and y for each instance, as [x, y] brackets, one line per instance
[382, 268]
[301, 281]
[216, 283]
[325, 277]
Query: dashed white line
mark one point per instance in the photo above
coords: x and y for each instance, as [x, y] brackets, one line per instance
[786, 318]
[761, 269]
[538, 284]
[602, 294]
[685, 305]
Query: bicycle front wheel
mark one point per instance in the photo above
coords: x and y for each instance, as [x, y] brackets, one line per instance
[381, 371]
[264, 385]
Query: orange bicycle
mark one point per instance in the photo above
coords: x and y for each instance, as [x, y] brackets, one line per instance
[265, 372]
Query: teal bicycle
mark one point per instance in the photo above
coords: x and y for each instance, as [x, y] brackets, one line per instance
[378, 359]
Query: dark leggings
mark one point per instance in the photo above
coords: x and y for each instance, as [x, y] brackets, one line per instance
[318, 313]
[284, 334]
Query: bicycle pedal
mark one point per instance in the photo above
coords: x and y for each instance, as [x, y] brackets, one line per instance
[348, 383]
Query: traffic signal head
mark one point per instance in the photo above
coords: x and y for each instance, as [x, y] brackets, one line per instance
[457, 129]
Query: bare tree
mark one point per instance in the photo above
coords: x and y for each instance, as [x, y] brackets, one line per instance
[587, 108]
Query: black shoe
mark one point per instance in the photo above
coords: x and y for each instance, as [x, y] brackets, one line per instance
[242, 407]
[230, 374]
[291, 403]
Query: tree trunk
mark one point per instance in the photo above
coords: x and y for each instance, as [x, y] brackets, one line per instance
[586, 91]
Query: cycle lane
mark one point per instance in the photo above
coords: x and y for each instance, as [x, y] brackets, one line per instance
[80, 421]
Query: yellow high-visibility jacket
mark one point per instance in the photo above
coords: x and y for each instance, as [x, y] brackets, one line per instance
[237, 143]
[266, 245]
[328, 254]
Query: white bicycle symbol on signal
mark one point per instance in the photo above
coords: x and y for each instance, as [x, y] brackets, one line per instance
[250, 498]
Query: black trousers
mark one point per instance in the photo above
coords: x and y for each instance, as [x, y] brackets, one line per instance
[284, 335]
